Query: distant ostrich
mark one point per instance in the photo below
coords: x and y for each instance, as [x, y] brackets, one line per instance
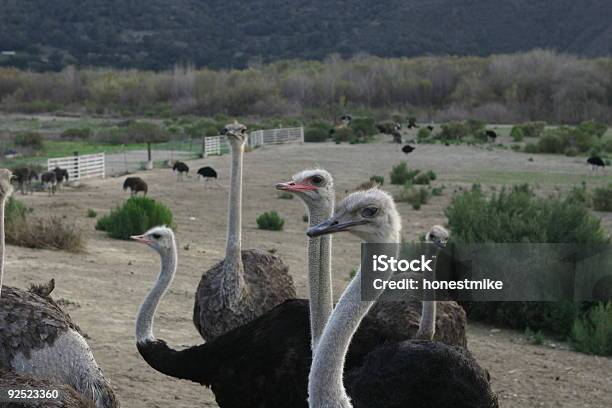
[407, 149]
[491, 134]
[391, 128]
[49, 181]
[430, 128]
[596, 162]
[412, 124]
[24, 176]
[207, 173]
[417, 373]
[345, 121]
[135, 184]
[180, 168]
[246, 283]
[61, 176]
[40, 339]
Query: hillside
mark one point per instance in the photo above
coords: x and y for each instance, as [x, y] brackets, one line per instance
[156, 34]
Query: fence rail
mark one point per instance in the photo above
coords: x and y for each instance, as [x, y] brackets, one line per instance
[214, 145]
[80, 167]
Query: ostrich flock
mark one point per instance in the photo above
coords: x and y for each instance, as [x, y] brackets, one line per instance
[262, 346]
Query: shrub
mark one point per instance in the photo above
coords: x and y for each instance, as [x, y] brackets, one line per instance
[517, 215]
[602, 198]
[270, 221]
[437, 191]
[535, 337]
[317, 132]
[517, 133]
[454, 131]
[551, 143]
[74, 133]
[423, 134]
[531, 148]
[421, 178]
[31, 140]
[91, 213]
[592, 333]
[400, 174]
[415, 197]
[44, 233]
[378, 179]
[285, 195]
[343, 135]
[135, 217]
[15, 210]
[533, 129]
[570, 152]
[593, 128]
[363, 127]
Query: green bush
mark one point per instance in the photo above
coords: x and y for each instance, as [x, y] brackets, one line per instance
[602, 198]
[378, 179]
[15, 211]
[592, 333]
[593, 128]
[533, 129]
[317, 132]
[136, 216]
[454, 131]
[517, 133]
[531, 148]
[363, 127]
[421, 178]
[551, 143]
[31, 140]
[423, 134]
[400, 174]
[518, 216]
[91, 213]
[76, 133]
[270, 221]
[343, 135]
[411, 195]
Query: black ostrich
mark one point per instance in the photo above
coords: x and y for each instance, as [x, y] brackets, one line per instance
[430, 128]
[49, 181]
[412, 124]
[207, 173]
[407, 149]
[135, 184]
[596, 162]
[61, 177]
[180, 168]
[491, 134]
[23, 176]
[391, 128]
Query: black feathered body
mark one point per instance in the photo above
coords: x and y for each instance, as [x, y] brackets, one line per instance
[596, 161]
[136, 185]
[180, 167]
[407, 149]
[207, 172]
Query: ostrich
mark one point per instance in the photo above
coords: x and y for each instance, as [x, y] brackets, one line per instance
[24, 176]
[596, 162]
[412, 124]
[391, 128]
[246, 283]
[207, 173]
[408, 373]
[407, 149]
[491, 134]
[430, 128]
[39, 339]
[399, 318]
[49, 181]
[180, 168]
[61, 175]
[135, 184]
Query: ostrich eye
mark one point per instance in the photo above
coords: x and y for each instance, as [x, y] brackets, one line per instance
[156, 236]
[316, 180]
[369, 212]
[243, 130]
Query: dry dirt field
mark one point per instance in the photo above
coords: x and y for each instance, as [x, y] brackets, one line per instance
[108, 282]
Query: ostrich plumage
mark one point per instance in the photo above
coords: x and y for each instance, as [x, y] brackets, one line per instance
[61, 175]
[245, 284]
[23, 176]
[49, 181]
[135, 184]
[38, 338]
[179, 168]
[596, 161]
[407, 149]
[207, 173]
[68, 397]
[413, 373]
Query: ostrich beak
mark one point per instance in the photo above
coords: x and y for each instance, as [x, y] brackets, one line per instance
[141, 238]
[331, 226]
[294, 187]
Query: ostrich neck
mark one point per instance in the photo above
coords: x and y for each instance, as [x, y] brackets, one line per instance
[319, 273]
[427, 324]
[325, 387]
[146, 313]
[2, 238]
[233, 280]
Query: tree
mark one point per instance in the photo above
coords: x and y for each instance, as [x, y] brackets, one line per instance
[149, 133]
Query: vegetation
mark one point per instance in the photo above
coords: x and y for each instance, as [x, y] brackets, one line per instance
[496, 89]
[413, 196]
[592, 332]
[285, 195]
[517, 215]
[380, 180]
[602, 198]
[317, 132]
[76, 133]
[135, 217]
[270, 221]
[400, 174]
[30, 140]
[91, 213]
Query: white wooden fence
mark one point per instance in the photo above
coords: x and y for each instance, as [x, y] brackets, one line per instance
[213, 145]
[80, 167]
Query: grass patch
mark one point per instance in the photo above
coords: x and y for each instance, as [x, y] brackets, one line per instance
[592, 333]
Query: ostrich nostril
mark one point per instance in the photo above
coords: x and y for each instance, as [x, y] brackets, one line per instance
[335, 223]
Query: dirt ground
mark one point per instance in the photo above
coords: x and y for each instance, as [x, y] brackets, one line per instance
[106, 285]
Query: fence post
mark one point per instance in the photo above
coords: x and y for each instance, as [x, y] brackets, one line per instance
[302, 133]
[76, 165]
[103, 165]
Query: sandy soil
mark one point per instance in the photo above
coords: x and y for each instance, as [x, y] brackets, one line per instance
[107, 283]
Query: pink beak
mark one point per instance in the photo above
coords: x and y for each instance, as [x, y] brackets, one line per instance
[141, 238]
[294, 187]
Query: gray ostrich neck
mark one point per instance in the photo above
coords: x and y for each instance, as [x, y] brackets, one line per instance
[146, 313]
[325, 387]
[319, 272]
[233, 280]
[2, 238]
[427, 324]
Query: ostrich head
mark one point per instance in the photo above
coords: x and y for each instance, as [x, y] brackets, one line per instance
[371, 215]
[437, 235]
[6, 188]
[314, 187]
[236, 134]
[161, 239]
